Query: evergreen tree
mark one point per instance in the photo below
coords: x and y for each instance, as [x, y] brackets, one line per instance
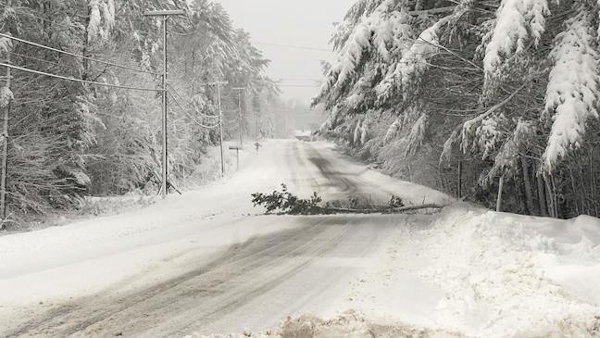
[504, 84]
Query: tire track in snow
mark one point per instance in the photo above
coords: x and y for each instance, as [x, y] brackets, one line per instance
[209, 293]
[202, 291]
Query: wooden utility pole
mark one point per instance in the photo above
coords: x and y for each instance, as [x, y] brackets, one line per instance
[220, 128]
[241, 121]
[218, 84]
[5, 147]
[165, 155]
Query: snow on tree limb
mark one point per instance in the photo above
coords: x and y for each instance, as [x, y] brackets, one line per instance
[417, 135]
[5, 45]
[415, 60]
[392, 131]
[468, 128]
[506, 161]
[352, 52]
[382, 30]
[517, 22]
[449, 144]
[101, 18]
[6, 96]
[572, 92]
[357, 132]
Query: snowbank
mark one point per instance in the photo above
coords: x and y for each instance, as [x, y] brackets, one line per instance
[349, 324]
[489, 274]
[512, 275]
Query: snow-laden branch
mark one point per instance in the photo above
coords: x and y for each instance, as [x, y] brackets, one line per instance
[517, 22]
[101, 19]
[467, 127]
[572, 92]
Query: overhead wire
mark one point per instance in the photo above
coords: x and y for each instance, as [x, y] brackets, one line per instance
[35, 58]
[293, 46]
[173, 90]
[191, 116]
[108, 63]
[27, 70]
[198, 122]
[300, 86]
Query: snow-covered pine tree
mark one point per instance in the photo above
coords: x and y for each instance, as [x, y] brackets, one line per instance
[480, 71]
[68, 134]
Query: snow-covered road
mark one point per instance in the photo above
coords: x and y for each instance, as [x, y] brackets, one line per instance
[208, 262]
[205, 261]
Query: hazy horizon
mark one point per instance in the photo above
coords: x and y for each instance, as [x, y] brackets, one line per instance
[293, 35]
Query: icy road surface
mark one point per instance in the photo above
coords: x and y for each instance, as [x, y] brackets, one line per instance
[207, 262]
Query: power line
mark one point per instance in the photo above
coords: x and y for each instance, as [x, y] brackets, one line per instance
[300, 86]
[35, 58]
[298, 79]
[54, 23]
[76, 55]
[293, 46]
[78, 80]
[173, 90]
[191, 116]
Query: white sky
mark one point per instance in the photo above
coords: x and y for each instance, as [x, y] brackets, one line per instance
[307, 23]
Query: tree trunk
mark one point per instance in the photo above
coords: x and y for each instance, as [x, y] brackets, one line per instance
[459, 185]
[549, 197]
[542, 196]
[499, 199]
[527, 186]
[575, 193]
[86, 51]
[592, 176]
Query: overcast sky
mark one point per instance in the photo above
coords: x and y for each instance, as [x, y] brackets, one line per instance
[302, 23]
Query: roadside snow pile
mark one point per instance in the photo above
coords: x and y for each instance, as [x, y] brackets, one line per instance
[349, 324]
[507, 275]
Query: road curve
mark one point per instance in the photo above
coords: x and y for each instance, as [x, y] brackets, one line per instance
[304, 265]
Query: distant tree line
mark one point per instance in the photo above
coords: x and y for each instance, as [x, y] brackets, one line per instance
[69, 139]
[493, 101]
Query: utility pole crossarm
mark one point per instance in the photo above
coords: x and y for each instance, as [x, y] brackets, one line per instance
[165, 12]
[214, 83]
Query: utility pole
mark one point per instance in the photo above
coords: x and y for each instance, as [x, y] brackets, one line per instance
[165, 155]
[5, 148]
[218, 84]
[220, 128]
[241, 121]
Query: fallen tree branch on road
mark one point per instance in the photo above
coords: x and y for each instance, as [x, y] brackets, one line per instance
[385, 210]
[285, 203]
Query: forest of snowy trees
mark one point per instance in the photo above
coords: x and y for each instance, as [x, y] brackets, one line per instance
[69, 139]
[492, 101]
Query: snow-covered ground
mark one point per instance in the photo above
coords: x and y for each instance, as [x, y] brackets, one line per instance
[476, 273]
[205, 262]
[489, 274]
